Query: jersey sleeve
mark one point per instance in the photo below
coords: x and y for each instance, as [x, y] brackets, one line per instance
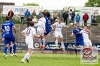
[80, 28]
[12, 24]
[72, 31]
[2, 26]
[54, 24]
[44, 24]
[81, 31]
[24, 30]
[34, 32]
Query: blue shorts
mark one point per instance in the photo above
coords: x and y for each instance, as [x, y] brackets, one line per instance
[81, 43]
[47, 32]
[8, 40]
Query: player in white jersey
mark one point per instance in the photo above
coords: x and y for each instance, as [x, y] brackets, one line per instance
[85, 32]
[58, 33]
[41, 30]
[29, 34]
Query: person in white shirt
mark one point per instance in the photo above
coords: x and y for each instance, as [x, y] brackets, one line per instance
[58, 33]
[29, 34]
[41, 30]
[85, 32]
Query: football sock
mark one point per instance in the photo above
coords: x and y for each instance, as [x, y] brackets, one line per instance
[10, 50]
[62, 44]
[56, 42]
[25, 57]
[14, 48]
[5, 50]
[43, 41]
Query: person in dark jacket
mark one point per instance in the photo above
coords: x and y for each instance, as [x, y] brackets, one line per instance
[65, 17]
[72, 16]
[85, 18]
[10, 14]
[47, 14]
[77, 18]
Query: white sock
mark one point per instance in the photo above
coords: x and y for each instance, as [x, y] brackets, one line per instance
[40, 41]
[26, 55]
[56, 42]
[43, 41]
[62, 45]
[29, 55]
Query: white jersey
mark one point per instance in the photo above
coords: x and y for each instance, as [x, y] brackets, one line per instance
[41, 24]
[85, 34]
[58, 27]
[29, 32]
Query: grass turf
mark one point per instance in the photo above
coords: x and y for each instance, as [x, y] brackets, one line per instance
[45, 60]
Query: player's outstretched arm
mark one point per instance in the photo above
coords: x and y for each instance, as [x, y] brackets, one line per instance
[89, 32]
[23, 34]
[52, 27]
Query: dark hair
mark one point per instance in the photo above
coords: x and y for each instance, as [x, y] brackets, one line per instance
[7, 18]
[44, 13]
[31, 23]
[29, 19]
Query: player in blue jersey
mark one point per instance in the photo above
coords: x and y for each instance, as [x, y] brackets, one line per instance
[7, 28]
[2, 34]
[79, 37]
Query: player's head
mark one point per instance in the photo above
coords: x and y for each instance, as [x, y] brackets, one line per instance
[43, 14]
[31, 23]
[59, 20]
[7, 18]
[85, 27]
[75, 26]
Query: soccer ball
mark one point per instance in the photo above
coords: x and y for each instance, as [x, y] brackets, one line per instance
[71, 24]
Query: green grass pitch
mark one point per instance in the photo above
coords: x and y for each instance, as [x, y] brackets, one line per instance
[45, 60]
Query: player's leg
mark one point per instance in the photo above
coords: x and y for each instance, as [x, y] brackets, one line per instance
[29, 52]
[11, 50]
[14, 46]
[6, 42]
[75, 47]
[56, 39]
[62, 43]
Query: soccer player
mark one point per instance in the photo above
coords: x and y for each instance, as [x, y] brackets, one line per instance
[29, 34]
[2, 34]
[85, 32]
[41, 30]
[58, 33]
[79, 37]
[7, 28]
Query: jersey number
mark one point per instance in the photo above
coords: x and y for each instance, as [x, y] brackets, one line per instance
[7, 28]
[28, 31]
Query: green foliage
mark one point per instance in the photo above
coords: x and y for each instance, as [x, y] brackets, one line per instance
[30, 4]
[93, 3]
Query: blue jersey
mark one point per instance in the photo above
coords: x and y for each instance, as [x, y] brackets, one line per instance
[79, 36]
[8, 28]
[47, 25]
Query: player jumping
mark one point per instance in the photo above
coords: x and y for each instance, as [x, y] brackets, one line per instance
[85, 32]
[7, 28]
[29, 34]
[79, 37]
[58, 33]
[41, 30]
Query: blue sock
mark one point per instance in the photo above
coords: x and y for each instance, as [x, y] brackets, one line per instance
[10, 50]
[14, 48]
[5, 50]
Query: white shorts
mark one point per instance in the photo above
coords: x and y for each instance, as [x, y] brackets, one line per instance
[40, 32]
[58, 34]
[29, 43]
[87, 43]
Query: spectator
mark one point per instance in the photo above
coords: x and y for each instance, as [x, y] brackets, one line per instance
[77, 18]
[85, 18]
[55, 15]
[40, 13]
[34, 14]
[72, 16]
[22, 15]
[65, 16]
[27, 14]
[10, 14]
[47, 14]
[94, 19]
